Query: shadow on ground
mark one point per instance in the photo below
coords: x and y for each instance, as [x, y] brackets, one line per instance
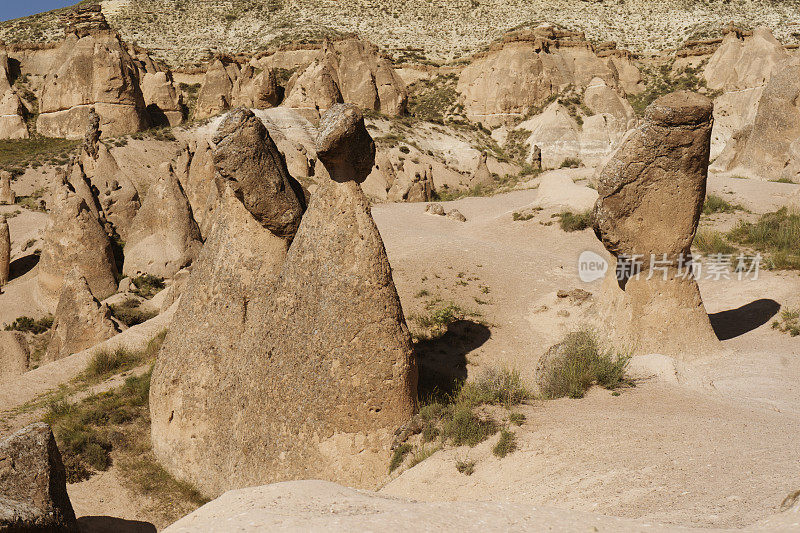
[442, 361]
[735, 322]
[108, 524]
[23, 265]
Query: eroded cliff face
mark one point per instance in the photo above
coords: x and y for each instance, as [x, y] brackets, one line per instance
[525, 70]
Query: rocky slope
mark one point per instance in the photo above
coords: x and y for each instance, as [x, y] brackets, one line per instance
[183, 31]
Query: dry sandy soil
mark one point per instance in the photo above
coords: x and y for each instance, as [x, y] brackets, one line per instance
[711, 445]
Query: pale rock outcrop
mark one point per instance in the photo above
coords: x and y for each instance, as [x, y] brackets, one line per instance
[651, 195]
[14, 354]
[80, 321]
[740, 68]
[216, 92]
[5, 253]
[526, 69]
[91, 68]
[12, 110]
[164, 104]
[33, 483]
[559, 135]
[794, 203]
[73, 238]
[769, 147]
[314, 90]
[366, 79]
[163, 237]
[194, 168]
[481, 176]
[257, 90]
[381, 179]
[325, 302]
[416, 188]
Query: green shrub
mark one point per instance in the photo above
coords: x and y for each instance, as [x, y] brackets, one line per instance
[713, 243]
[464, 427]
[506, 444]
[575, 221]
[517, 418]
[519, 216]
[717, 204]
[27, 324]
[128, 313]
[579, 362]
[465, 467]
[398, 455]
[777, 234]
[147, 286]
[496, 387]
[571, 162]
[789, 322]
[421, 454]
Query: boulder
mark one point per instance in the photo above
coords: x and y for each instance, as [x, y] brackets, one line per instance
[651, 195]
[14, 355]
[73, 238]
[91, 69]
[33, 483]
[80, 321]
[164, 103]
[312, 333]
[5, 253]
[244, 153]
[163, 237]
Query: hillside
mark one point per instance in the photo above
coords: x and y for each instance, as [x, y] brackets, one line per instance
[186, 31]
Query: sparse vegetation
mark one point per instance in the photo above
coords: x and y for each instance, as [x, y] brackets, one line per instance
[579, 362]
[106, 363]
[130, 313]
[398, 455]
[18, 154]
[776, 234]
[571, 162]
[506, 445]
[434, 99]
[717, 204]
[516, 418]
[465, 467]
[440, 315]
[421, 454]
[32, 201]
[712, 243]
[26, 324]
[146, 286]
[789, 322]
[660, 81]
[570, 221]
[516, 216]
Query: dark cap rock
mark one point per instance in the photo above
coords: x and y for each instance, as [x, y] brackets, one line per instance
[680, 108]
[343, 145]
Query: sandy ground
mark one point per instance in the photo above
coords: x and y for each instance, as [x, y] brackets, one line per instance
[719, 448]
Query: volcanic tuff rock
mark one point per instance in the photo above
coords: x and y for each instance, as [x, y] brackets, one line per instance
[73, 238]
[80, 321]
[194, 168]
[314, 90]
[163, 237]
[315, 336]
[14, 354]
[164, 104]
[651, 196]
[5, 252]
[12, 111]
[740, 68]
[527, 69]
[91, 69]
[770, 147]
[244, 154]
[33, 483]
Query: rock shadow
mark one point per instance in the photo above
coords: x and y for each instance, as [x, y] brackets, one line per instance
[442, 361]
[108, 524]
[23, 265]
[735, 322]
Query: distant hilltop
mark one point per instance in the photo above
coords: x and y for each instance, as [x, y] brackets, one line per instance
[185, 32]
